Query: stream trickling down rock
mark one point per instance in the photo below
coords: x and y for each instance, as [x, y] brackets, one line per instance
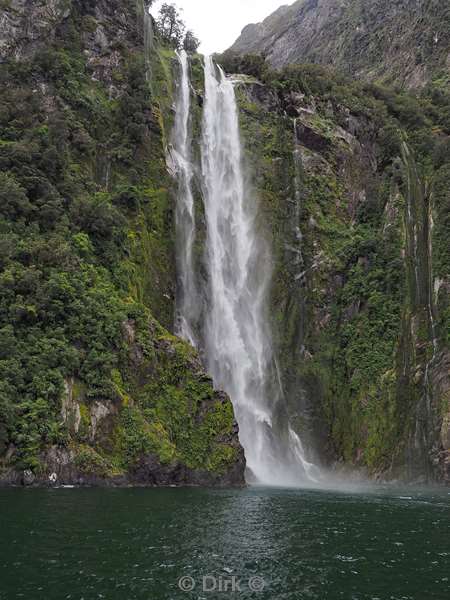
[235, 335]
[185, 218]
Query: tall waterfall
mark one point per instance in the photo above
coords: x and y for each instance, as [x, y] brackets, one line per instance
[237, 339]
[235, 335]
[187, 301]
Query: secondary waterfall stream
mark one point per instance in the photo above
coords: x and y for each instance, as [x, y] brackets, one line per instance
[187, 300]
[236, 337]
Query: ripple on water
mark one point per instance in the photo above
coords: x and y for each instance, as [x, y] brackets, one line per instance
[136, 544]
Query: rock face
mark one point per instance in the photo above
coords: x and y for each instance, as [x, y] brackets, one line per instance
[405, 42]
[359, 298]
[26, 26]
[94, 388]
[441, 381]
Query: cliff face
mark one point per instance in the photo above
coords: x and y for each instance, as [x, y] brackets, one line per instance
[355, 203]
[353, 185]
[401, 43]
[93, 386]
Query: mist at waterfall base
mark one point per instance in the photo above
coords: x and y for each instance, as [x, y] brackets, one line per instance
[226, 317]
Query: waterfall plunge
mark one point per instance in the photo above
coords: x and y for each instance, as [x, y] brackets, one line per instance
[187, 298]
[237, 340]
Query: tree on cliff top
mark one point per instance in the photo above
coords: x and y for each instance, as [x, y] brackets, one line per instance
[170, 25]
[171, 28]
[191, 42]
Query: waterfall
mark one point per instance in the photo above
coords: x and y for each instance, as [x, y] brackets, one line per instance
[237, 341]
[226, 318]
[148, 43]
[145, 21]
[187, 299]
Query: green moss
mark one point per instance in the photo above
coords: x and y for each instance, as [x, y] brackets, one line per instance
[85, 422]
[136, 436]
[175, 414]
[90, 462]
[342, 295]
[78, 391]
[221, 458]
[116, 377]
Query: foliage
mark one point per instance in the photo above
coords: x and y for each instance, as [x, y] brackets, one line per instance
[341, 301]
[171, 26]
[191, 43]
[86, 250]
[90, 462]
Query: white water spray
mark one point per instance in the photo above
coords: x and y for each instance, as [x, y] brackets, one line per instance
[187, 299]
[237, 338]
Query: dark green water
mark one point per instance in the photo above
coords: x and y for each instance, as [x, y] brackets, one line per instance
[136, 544]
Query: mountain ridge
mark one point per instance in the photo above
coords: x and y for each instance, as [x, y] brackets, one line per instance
[406, 43]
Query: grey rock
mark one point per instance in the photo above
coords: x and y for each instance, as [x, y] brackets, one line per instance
[28, 477]
[402, 42]
[70, 409]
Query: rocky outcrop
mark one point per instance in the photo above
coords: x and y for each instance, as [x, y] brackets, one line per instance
[203, 450]
[26, 25]
[405, 42]
[60, 470]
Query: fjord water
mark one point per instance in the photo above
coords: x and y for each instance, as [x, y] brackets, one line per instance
[135, 544]
[235, 335]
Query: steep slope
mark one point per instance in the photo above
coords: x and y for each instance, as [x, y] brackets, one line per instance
[93, 386]
[406, 42]
[353, 185]
[352, 182]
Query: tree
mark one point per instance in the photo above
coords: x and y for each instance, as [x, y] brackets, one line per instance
[170, 25]
[191, 42]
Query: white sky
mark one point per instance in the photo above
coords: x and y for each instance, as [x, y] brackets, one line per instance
[218, 23]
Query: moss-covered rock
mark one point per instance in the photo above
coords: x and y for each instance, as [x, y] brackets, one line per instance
[357, 245]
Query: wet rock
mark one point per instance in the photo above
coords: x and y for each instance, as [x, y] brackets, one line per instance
[28, 477]
[310, 138]
[27, 26]
[99, 412]
[263, 95]
[70, 409]
[441, 383]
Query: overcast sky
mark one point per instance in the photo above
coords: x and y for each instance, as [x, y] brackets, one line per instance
[217, 23]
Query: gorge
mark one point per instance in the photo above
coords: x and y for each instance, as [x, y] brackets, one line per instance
[292, 251]
[224, 301]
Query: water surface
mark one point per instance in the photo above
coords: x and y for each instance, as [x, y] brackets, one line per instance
[131, 544]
